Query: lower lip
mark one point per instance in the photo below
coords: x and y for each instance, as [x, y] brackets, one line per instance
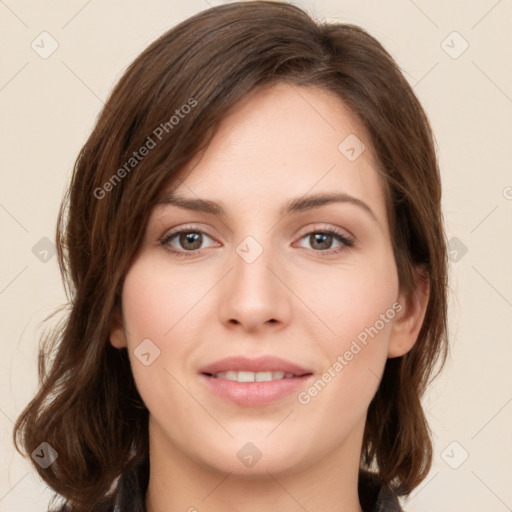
[254, 394]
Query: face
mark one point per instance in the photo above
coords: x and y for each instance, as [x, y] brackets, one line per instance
[258, 332]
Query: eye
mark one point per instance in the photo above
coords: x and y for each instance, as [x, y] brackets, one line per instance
[186, 240]
[321, 241]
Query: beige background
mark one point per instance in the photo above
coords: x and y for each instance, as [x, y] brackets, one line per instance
[49, 107]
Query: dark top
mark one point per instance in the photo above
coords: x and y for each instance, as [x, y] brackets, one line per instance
[131, 490]
[373, 496]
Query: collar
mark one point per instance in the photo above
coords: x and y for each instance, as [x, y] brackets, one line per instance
[131, 490]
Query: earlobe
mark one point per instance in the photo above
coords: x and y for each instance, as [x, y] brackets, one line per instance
[408, 323]
[118, 337]
[117, 333]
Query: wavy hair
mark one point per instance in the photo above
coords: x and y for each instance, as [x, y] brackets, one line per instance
[87, 406]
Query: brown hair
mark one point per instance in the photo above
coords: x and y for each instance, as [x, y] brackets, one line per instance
[88, 408]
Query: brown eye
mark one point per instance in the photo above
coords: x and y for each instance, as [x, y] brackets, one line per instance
[190, 240]
[322, 241]
[185, 240]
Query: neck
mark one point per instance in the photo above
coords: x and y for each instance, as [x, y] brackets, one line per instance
[180, 483]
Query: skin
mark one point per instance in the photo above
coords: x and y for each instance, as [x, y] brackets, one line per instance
[280, 143]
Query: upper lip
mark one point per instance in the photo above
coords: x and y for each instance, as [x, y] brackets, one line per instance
[259, 364]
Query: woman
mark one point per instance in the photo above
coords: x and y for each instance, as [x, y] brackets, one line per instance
[255, 257]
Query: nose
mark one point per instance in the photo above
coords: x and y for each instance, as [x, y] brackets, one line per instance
[254, 294]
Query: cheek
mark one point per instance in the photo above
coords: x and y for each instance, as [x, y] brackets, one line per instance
[349, 299]
[156, 299]
[155, 308]
[359, 307]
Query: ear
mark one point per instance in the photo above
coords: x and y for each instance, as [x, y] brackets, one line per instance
[409, 320]
[117, 331]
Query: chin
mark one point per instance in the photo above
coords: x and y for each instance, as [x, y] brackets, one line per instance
[248, 456]
[256, 469]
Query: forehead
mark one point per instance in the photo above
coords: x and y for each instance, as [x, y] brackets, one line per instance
[285, 141]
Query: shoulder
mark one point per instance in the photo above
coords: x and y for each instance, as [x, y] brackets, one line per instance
[104, 506]
[373, 494]
[132, 486]
[128, 493]
[376, 496]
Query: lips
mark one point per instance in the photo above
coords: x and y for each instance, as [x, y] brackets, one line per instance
[257, 365]
[254, 382]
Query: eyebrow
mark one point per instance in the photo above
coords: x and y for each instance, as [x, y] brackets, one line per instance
[296, 205]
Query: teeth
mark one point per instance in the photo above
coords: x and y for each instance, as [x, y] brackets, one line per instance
[243, 376]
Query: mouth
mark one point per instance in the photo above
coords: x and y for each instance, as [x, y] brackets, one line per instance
[254, 382]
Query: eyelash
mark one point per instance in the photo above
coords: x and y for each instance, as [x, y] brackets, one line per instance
[347, 241]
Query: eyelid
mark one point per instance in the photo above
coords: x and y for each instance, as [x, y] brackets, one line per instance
[326, 227]
[183, 228]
